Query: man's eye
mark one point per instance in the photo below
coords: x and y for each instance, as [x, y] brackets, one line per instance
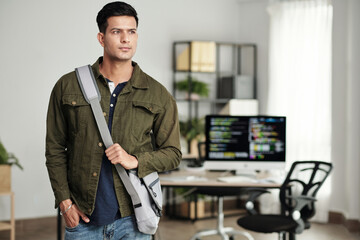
[116, 32]
[132, 32]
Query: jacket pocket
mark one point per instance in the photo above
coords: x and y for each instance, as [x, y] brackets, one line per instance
[143, 117]
[77, 111]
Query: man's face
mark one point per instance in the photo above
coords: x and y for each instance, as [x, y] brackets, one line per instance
[120, 38]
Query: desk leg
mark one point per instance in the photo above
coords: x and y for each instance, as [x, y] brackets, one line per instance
[213, 206]
[167, 196]
[59, 225]
[196, 206]
[170, 206]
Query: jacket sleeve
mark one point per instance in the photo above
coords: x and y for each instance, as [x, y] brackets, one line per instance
[56, 160]
[166, 131]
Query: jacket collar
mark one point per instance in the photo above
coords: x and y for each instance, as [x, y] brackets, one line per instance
[137, 80]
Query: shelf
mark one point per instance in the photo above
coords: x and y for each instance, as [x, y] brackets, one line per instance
[229, 70]
[234, 68]
[5, 226]
[204, 100]
[221, 73]
[9, 225]
[189, 71]
[6, 193]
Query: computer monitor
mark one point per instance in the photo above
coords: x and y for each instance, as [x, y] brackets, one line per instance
[245, 143]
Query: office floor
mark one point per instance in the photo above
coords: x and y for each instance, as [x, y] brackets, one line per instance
[179, 230]
[182, 230]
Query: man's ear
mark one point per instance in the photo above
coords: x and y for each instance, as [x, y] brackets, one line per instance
[100, 37]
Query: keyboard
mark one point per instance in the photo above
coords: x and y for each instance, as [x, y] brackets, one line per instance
[237, 179]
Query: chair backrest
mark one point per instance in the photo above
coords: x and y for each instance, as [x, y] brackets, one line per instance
[304, 178]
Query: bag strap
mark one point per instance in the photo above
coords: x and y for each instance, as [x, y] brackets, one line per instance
[90, 90]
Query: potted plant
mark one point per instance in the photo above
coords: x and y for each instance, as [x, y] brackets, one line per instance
[6, 161]
[192, 130]
[193, 86]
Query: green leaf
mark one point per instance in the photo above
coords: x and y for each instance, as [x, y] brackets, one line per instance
[8, 158]
[197, 86]
[3, 154]
[192, 129]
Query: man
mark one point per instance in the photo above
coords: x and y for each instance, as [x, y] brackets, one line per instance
[90, 194]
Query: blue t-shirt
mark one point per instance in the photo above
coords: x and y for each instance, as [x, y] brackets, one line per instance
[106, 205]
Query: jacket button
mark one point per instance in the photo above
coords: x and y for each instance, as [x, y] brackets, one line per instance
[73, 102]
[100, 144]
[104, 114]
[94, 174]
[89, 210]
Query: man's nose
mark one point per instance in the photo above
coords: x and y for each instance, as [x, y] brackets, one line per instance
[124, 37]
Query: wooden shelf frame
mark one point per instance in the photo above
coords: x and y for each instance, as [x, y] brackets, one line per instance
[9, 225]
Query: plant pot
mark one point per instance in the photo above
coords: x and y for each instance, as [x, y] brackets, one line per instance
[5, 178]
[193, 96]
[194, 148]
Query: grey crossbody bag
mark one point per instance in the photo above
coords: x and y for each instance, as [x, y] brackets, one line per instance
[145, 193]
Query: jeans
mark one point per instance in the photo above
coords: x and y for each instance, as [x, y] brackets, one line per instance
[123, 228]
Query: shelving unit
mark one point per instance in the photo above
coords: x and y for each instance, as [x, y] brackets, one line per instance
[5, 191]
[229, 69]
[9, 225]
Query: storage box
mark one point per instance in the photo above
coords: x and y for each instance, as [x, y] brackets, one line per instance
[203, 57]
[184, 211]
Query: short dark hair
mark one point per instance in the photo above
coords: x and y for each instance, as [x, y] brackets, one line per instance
[114, 9]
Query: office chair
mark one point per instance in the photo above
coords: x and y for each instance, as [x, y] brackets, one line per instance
[226, 233]
[297, 197]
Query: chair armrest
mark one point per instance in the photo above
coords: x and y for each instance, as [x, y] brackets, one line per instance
[300, 202]
[254, 193]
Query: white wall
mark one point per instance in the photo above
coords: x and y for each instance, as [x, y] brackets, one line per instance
[353, 108]
[339, 113]
[254, 28]
[43, 39]
[346, 111]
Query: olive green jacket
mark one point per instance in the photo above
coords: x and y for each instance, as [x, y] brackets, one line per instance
[74, 148]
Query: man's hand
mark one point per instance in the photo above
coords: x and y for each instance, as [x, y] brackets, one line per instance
[116, 154]
[73, 215]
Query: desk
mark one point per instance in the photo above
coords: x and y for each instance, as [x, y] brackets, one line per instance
[205, 180]
[209, 180]
[207, 183]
